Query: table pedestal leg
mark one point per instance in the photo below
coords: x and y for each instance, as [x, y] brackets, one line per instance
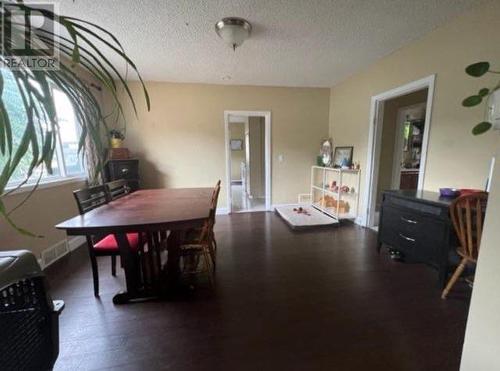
[129, 262]
[173, 260]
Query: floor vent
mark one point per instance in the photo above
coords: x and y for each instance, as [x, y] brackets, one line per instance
[53, 253]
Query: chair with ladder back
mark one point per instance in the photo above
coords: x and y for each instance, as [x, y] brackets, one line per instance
[117, 189]
[201, 244]
[194, 234]
[213, 241]
[88, 199]
[467, 214]
[200, 249]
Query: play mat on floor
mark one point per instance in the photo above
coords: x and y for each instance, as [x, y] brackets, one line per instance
[304, 216]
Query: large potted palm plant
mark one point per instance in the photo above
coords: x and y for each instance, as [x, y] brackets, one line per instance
[76, 47]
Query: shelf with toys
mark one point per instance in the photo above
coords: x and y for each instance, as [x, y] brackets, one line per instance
[335, 191]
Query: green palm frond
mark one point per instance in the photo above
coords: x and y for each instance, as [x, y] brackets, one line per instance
[82, 46]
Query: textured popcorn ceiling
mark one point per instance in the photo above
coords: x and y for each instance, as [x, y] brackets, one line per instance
[314, 43]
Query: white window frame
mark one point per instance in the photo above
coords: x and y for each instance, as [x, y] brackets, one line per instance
[55, 180]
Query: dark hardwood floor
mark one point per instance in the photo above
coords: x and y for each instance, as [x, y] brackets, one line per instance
[315, 300]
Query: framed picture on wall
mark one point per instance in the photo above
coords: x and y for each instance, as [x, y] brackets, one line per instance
[236, 144]
[342, 157]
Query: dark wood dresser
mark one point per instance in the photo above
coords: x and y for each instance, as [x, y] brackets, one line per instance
[417, 224]
[123, 169]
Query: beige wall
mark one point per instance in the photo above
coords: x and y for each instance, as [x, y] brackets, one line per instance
[39, 215]
[181, 141]
[389, 131]
[256, 129]
[482, 337]
[237, 131]
[455, 157]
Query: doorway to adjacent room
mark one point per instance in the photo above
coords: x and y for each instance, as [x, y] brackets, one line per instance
[248, 160]
[398, 140]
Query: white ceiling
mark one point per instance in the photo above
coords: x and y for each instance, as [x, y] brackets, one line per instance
[314, 43]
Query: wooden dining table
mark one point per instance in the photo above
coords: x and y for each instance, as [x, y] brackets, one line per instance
[161, 216]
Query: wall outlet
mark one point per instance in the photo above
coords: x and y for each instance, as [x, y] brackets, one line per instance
[281, 158]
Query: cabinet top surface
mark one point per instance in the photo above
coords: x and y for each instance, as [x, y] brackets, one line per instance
[122, 159]
[423, 196]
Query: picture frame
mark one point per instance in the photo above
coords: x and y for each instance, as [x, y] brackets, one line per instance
[326, 153]
[342, 157]
[236, 144]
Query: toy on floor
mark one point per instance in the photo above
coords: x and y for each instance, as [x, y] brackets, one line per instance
[301, 210]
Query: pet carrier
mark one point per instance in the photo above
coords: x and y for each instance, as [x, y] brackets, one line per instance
[29, 319]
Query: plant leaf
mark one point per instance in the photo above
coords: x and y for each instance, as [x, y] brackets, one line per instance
[477, 69]
[3, 118]
[481, 128]
[6, 130]
[22, 231]
[472, 101]
[38, 139]
[21, 150]
[75, 56]
[4, 176]
[484, 92]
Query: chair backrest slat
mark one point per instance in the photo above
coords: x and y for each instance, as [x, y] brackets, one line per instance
[479, 220]
[467, 214]
[215, 194]
[117, 189]
[207, 230]
[468, 220]
[90, 198]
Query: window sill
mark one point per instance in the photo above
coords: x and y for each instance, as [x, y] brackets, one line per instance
[47, 184]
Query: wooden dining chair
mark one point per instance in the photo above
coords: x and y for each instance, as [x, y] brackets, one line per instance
[201, 244]
[117, 189]
[213, 244]
[88, 199]
[467, 214]
[200, 249]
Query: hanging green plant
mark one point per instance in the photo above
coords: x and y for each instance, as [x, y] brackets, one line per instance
[477, 70]
[81, 46]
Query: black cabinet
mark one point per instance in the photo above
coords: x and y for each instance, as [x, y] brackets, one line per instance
[417, 224]
[123, 169]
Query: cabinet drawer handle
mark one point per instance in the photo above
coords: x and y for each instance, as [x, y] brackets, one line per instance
[409, 221]
[407, 238]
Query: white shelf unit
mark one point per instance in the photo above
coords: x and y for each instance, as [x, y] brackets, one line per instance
[337, 204]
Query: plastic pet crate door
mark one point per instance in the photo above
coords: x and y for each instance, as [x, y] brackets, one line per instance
[29, 323]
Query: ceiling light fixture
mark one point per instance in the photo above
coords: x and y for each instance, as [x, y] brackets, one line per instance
[233, 30]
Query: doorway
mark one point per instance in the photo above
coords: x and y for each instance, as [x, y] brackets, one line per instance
[248, 160]
[398, 139]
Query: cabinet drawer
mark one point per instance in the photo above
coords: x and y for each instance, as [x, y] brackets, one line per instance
[399, 240]
[418, 236]
[402, 219]
[417, 207]
[123, 170]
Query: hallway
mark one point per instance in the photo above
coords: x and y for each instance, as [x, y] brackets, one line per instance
[242, 202]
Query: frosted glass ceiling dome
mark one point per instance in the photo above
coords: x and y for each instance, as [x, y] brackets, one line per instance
[233, 30]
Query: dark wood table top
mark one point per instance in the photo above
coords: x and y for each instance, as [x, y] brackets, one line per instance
[151, 209]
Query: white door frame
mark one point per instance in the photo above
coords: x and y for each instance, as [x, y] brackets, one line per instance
[398, 142]
[375, 140]
[267, 154]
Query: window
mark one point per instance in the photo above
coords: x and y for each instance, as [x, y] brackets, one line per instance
[67, 162]
[68, 134]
